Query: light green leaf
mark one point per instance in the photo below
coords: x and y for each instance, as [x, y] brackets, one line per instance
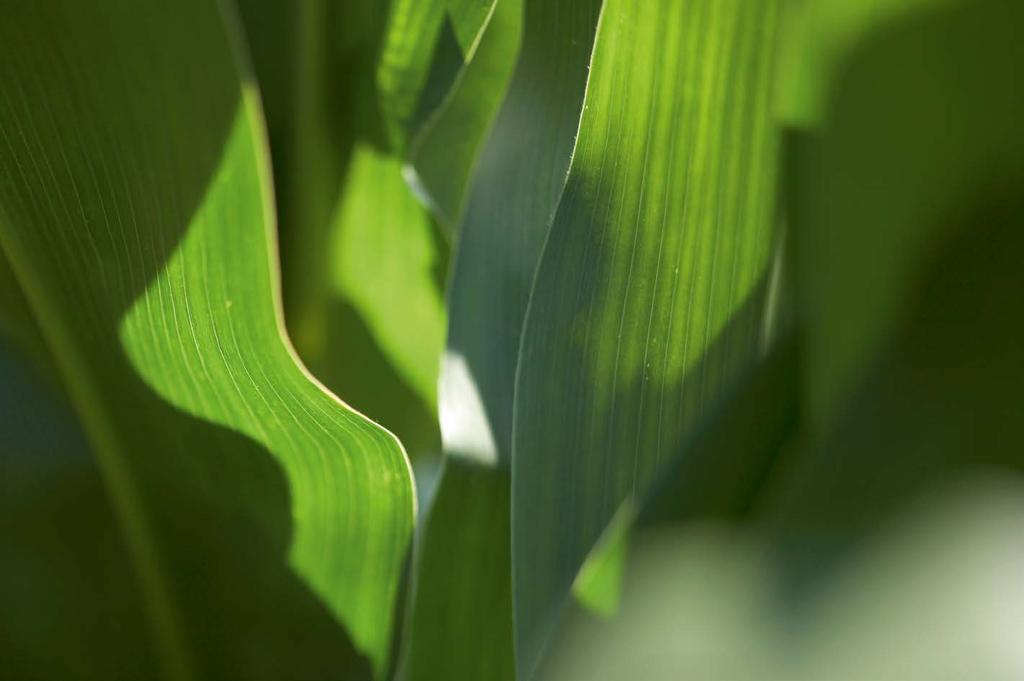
[650, 293]
[598, 586]
[384, 255]
[136, 211]
[515, 188]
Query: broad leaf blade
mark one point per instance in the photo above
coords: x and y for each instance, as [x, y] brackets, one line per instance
[136, 212]
[650, 292]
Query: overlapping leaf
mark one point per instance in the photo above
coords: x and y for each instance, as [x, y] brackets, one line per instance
[462, 608]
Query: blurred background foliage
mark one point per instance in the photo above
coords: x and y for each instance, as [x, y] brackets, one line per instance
[483, 208]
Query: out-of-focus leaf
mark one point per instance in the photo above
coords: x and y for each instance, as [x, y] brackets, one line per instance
[598, 586]
[515, 187]
[136, 212]
[817, 36]
[908, 252]
[649, 296]
[412, 34]
[939, 402]
[65, 578]
[930, 597]
[443, 154]
[880, 187]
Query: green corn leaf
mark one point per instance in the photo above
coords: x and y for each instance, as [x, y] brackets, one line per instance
[514, 190]
[723, 471]
[136, 212]
[650, 293]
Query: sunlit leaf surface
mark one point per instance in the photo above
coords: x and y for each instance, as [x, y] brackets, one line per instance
[137, 215]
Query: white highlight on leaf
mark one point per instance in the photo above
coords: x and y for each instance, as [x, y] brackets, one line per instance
[465, 429]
